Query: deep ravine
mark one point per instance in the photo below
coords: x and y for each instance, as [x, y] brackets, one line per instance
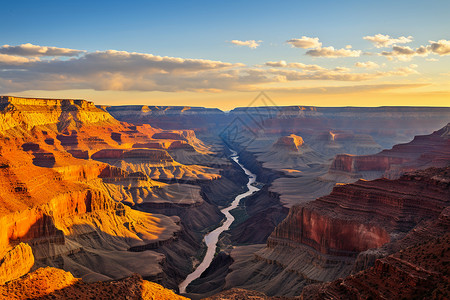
[212, 238]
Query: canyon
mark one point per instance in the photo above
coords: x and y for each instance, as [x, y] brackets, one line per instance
[120, 199]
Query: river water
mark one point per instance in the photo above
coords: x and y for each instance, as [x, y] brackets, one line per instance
[212, 238]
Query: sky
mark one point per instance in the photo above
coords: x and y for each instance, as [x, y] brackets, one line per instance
[224, 53]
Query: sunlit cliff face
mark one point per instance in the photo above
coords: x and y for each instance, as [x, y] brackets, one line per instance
[332, 135]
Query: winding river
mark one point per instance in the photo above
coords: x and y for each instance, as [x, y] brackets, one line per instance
[212, 238]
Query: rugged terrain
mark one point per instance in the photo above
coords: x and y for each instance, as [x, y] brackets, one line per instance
[105, 212]
[51, 283]
[343, 232]
[108, 192]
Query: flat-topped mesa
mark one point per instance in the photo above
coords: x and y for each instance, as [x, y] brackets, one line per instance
[162, 110]
[364, 215]
[64, 113]
[291, 142]
[278, 110]
[5, 100]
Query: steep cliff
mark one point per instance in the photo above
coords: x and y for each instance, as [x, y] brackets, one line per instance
[423, 151]
[68, 207]
[67, 114]
[418, 269]
[330, 237]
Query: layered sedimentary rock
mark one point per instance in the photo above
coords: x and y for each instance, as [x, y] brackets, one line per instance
[333, 142]
[291, 142]
[67, 206]
[30, 112]
[52, 283]
[325, 239]
[387, 125]
[199, 119]
[356, 217]
[17, 262]
[417, 270]
[423, 151]
[290, 155]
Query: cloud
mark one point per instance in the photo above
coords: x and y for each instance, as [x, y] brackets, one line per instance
[305, 42]
[382, 41]
[35, 50]
[405, 53]
[338, 74]
[121, 70]
[331, 52]
[441, 47]
[294, 65]
[342, 69]
[367, 65]
[6, 59]
[250, 43]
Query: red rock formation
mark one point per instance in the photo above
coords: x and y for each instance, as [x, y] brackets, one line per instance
[419, 270]
[360, 216]
[354, 164]
[423, 151]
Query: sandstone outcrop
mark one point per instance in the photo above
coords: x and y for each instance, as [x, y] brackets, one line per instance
[291, 142]
[16, 262]
[30, 112]
[70, 209]
[52, 283]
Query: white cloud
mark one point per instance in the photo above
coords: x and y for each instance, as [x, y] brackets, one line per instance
[120, 70]
[331, 52]
[381, 40]
[305, 42]
[250, 43]
[13, 59]
[367, 65]
[342, 69]
[35, 50]
[441, 47]
[294, 65]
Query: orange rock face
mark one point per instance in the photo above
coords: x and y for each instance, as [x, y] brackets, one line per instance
[52, 283]
[17, 262]
[55, 196]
